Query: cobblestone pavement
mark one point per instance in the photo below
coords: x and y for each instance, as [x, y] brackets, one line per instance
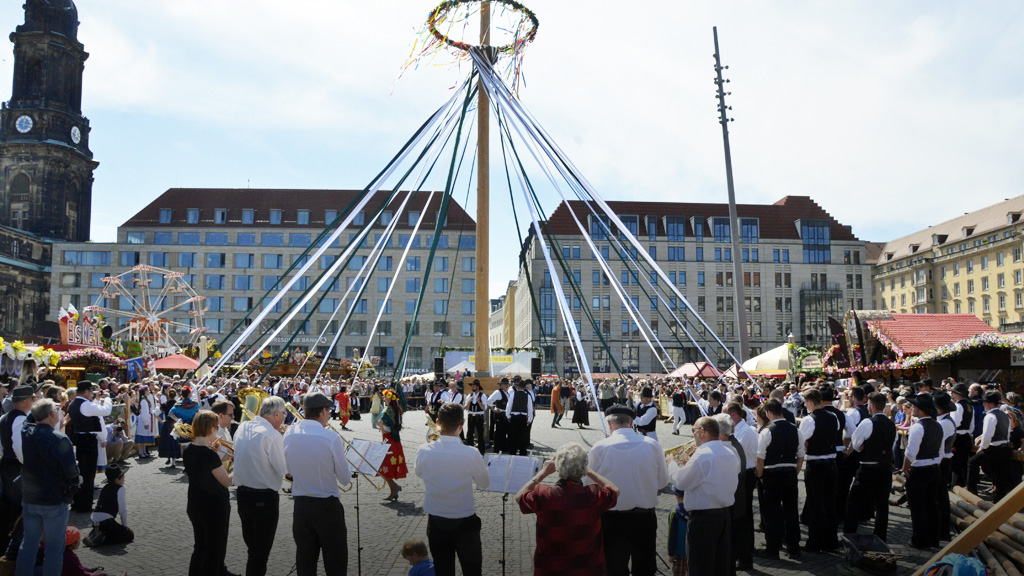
[156, 508]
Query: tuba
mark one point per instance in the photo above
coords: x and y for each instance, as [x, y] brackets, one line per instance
[250, 399]
[683, 451]
[433, 432]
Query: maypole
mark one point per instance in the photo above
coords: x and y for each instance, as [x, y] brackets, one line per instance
[482, 318]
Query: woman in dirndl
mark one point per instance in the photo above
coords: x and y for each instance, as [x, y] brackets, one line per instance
[581, 406]
[145, 422]
[394, 466]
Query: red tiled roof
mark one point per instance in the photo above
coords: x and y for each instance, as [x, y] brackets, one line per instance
[289, 201]
[776, 221]
[918, 333]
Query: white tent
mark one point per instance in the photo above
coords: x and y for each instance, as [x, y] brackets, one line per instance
[515, 369]
[461, 367]
[774, 361]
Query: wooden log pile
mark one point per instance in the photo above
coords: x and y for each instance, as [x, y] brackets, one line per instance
[1002, 551]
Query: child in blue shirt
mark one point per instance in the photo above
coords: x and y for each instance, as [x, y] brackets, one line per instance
[677, 521]
[415, 551]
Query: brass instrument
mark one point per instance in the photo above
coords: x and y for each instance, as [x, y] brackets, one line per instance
[683, 451]
[244, 394]
[230, 448]
[433, 432]
[183, 431]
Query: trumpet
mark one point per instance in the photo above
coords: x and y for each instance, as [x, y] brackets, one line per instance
[433, 432]
[683, 451]
[229, 447]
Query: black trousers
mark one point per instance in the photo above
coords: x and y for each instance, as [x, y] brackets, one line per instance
[846, 470]
[922, 484]
[258, 510]
[518, 441]
[942, 497]
[779, 509]
[872, 484]
[475, 427]
[10, 498]
[605, 403]
[707, 543]
[116, 533]
[86, 452]
[210, 530]
[451, 537]
[961, 454]
[820, 504]
[499, 431]
[743, 522]
[631, 534]
[994, 461]
[318, 526]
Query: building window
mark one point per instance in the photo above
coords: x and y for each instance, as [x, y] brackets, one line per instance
[129, 258]
[214, 260]
[272, 239]
[720, 229]
[469, 264]
[192, 216]
[214, 282]
[440, 285]
[158, 259]
[216, 239]
[188, 238]
[275, 217]
[165, 215]
[302, 217]
[817, 242]
[749, 230]
[162, 237]
[248, 216]
[220, 216]
[675, 228]
[300, 240]
[186, 259]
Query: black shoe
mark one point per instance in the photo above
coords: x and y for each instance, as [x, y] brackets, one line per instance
[676, 433]
[793, 554]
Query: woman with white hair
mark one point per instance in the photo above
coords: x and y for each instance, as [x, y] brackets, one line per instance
[569, 538]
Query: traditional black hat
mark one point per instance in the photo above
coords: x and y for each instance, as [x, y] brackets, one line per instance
[961, 389]
[475, 382]
[943, 401]
[620, 409]
[22, 393]
[84, 385]
[647, 393]
[993, 397]
[926, 382]
[925, 403]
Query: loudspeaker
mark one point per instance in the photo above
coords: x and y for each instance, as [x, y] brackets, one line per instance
[535, 371]
[438, 368]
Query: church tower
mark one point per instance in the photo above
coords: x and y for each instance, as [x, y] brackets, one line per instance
[46, 166]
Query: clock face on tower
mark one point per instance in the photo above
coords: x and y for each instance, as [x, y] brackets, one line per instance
[76, 134]
[23, 124]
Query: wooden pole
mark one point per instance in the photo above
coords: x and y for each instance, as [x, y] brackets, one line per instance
[482, 317]
[979, 530]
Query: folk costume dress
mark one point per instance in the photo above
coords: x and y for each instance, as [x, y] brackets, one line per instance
[394, 466]
[145, 422]
[581, 407]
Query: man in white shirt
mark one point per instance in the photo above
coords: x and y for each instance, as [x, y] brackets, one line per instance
[743, 529]
[12, 458]
[225, 412]
[780, 455]
[315, 456]
[636, 465]
[476, 410]
[449, 469]
[86, 421]
[921, 466]
[519, 413]
[709, 479]
[452, 394]
[993, 448]
[498, 401]
[259, 468]
[647, 415]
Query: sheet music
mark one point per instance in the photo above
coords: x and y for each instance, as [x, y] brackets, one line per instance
[510, 473]
[373, 454]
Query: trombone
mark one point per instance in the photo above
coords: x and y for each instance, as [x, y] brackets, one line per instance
[433, 432]
[682, 452]
[348, 446]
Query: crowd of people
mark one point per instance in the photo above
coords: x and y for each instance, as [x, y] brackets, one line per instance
[751, 440]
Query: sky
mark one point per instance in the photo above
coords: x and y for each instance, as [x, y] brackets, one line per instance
[892, 116]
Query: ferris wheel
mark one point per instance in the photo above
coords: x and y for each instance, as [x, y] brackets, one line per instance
[156, 307]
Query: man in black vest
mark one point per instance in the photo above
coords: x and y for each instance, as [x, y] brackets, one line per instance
[434, 401]
[921, 466]
[499, 423]
[873, 441]
[11, 459]
[646, 415]
[519, 413]
[476, 410]
[944, 406]
[964, 420]
[780, 454]
[993, 448]
[858, 397]
[818, 431]
[86, 422]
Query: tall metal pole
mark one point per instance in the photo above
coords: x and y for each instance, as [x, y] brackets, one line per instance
[737, 259]
[483, 205]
